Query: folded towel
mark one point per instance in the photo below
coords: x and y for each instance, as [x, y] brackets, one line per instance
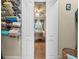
[4, 32]
[11, 19]
[8, 7]
[8, 3]
[70, 57]
[14, 32]
[3, 23]
[16, 24]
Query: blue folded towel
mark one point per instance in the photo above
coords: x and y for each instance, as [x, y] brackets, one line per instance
[70, 57]
[4, 32]
[11, 18]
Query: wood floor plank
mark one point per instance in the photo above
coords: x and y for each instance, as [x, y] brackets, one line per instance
[39, 50]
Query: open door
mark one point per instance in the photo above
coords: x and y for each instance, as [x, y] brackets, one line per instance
[39, 29]
[51, 29]
[27, 29]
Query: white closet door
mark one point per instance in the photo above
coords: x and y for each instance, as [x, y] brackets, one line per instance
[51, 29]
[27, 29]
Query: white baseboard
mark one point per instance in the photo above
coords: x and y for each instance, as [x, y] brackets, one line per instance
[12, 57]
[18, 57]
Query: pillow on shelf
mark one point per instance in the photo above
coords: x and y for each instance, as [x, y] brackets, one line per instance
[70, 57]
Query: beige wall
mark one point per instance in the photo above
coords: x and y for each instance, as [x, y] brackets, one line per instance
[11, 48]
[67, 25]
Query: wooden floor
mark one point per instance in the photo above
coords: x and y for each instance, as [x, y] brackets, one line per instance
[40, 50]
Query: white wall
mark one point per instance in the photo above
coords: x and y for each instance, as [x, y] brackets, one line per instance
[67, 38]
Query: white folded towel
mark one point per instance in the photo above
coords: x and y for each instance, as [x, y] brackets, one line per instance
[14, 32]
[17, 24]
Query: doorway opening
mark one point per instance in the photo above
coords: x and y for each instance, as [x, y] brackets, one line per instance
[39, 30]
